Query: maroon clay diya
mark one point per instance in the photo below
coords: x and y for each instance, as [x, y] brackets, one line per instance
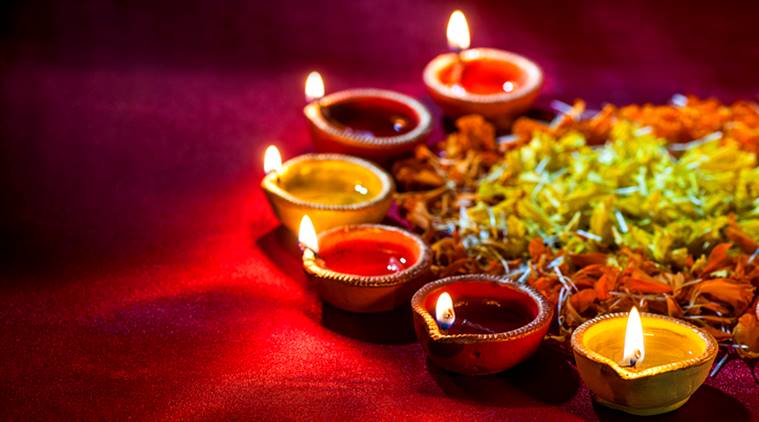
[479, 324]
[366, 267]
[371, 123]
[497, 84]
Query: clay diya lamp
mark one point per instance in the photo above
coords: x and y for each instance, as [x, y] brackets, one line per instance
[375, 124]
[365, 268]
[643, 364]
[333, 189]
[497, 84]
[479, 324]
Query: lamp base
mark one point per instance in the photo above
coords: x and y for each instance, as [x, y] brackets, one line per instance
[642, 412]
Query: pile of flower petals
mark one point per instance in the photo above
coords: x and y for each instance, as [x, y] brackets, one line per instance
[604, 214]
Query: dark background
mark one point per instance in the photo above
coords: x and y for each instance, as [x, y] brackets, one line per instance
[142, 271]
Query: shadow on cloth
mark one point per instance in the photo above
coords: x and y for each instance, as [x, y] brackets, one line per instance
[545, 377]
[393, 327]
[281, 247]
[707, 403]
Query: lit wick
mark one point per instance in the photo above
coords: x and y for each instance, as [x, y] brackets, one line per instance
[272, 161]
[445, 316]
[634, 350]
[307, 239]
[457, 33]
[315, 88]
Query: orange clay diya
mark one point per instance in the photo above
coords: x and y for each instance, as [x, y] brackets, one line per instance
[333, 189]
[642, 364]
[497, 84]
[479, 324]
[366, 267]
[371, 123]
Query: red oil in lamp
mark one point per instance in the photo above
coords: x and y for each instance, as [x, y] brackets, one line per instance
[371, 123]
[365, 267]
[479, 324]
[497, 84]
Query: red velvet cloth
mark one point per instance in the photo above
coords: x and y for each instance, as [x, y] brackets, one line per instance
[143, 274]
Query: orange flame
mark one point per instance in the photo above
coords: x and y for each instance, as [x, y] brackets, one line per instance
[272, 159]
[307, 234]
[635, 350]
[444, 314]
[458, 31]
[314, 86]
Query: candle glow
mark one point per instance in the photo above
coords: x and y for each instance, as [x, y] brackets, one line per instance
[272, 160]
[457, 31]
[444, 314]
[678, 357]
[307, 234]
[314, 86]
[634, 350]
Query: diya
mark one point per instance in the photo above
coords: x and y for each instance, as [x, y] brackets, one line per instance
[651, 366]
[479, 324]
[497, 84]
[375, 124]
[366, 267]
[333, 189]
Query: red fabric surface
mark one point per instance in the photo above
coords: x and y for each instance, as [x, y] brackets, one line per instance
[143, 274]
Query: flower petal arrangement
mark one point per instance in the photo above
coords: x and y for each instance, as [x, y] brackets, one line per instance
[651, 206]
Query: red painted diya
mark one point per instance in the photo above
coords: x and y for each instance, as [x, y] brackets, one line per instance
[489, 326]
[497, 84]
[370, 123]
[367, 267]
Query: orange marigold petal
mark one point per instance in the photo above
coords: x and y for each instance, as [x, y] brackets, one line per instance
[746, 332]
[602, 287]
[718, 258]
[746, 243]
[738, 295]
[582, 300]
[537, 248]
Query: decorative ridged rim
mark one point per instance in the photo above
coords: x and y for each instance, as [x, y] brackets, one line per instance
[422, 264]
[388, 186]
[423, 126]
[624, 373]
[534, 75]
[545, 311]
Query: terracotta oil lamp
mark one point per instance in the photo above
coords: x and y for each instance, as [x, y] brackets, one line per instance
[333, 189]
[479, 324]
[376, 124]
[366, 267]
[643, 364]
[497, 84]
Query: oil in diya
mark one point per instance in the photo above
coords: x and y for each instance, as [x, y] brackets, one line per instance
[370, 123]
[643, 364]
[365, 267]
[333, 189]
[497, 84]
[479, 324]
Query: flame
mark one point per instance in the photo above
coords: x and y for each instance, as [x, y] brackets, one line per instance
[458, 31]
[307, 234]
[634, 351]
[444, 314]
[314, 86]
[272, 159]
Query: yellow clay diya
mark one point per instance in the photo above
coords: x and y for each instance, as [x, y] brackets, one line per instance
[497, 84]
[333, 189]
[366, 267]
[376, 124]
[643, 364]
